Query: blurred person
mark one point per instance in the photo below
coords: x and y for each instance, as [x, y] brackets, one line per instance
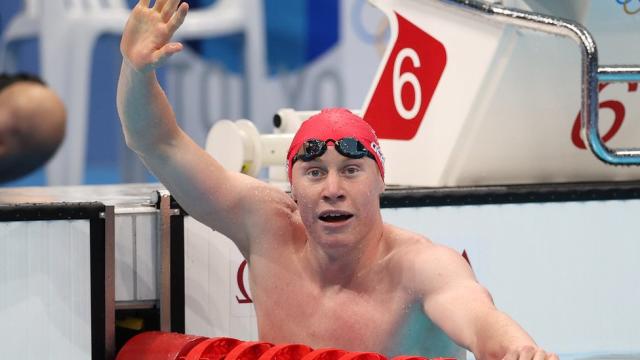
[32, 124]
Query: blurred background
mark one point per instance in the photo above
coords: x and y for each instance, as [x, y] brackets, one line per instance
[506, 114]
[249, 58]
[308, 54]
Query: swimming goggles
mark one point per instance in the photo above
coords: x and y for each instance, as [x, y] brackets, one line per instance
[349, 147]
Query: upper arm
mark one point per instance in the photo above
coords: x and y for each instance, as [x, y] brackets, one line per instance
[234, 204]
[451, 296]
[231, 203]
[463, 308]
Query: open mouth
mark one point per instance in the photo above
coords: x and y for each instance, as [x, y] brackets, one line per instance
[334, 216]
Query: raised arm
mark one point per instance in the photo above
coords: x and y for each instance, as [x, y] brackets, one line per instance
[232, 203]
[464, 310]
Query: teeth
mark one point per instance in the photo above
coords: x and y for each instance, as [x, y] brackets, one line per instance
[334, 215]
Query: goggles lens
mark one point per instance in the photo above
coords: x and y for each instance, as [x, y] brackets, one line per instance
[349, 147]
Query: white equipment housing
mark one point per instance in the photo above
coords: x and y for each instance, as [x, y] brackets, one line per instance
[509, 116]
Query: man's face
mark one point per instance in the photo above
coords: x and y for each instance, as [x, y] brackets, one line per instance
[338, 197]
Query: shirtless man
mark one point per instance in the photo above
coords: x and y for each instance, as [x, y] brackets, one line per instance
[325, 270]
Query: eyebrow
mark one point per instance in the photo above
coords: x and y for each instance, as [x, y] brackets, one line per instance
[313, 162]
[343, 162]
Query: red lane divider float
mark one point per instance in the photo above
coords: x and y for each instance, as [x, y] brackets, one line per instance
[414, 357]
[250, 350]
[159, 345]
[286, 352]
[363, 356]
[325, 354]
[213, 349]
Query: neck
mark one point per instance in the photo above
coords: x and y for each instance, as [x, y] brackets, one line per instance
[343, 266]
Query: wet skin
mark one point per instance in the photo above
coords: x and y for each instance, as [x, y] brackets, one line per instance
[334, 274]
[325, 269]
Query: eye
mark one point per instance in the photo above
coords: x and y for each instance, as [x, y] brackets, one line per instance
[314, 173]
[351, 170]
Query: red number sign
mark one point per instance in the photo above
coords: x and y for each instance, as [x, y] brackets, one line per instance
[407, 84]
[243, 290]
[618, 110]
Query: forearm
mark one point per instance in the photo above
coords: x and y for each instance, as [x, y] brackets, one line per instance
[148, 120]
[497, 335]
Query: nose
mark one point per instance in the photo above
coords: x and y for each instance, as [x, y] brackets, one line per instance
[333, 190]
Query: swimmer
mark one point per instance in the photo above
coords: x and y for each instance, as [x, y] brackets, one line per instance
[326, 271]
[32, 124]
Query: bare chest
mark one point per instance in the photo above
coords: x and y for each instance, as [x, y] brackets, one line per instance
[291, 309]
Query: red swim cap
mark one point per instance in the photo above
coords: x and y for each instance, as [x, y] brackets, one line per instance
[336, 124]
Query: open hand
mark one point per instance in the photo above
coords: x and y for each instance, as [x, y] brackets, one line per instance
[145, 40]
[529, 353]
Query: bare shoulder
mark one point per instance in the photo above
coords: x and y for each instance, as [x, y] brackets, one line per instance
[268, 206]
[276, 230]
[404, 244]
[422, 263]
[259, 193]
[245, 209]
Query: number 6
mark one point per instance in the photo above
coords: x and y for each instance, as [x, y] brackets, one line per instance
[407, 77]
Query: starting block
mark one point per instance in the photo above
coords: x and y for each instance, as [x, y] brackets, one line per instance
[467, 95]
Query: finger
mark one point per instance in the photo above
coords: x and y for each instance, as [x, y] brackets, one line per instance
[540, 355]
[526, 353]
[161, 55]
[512, 355]
[143, 3]
[552, 356]
[158, 5]
[169, 9]
[178, 17]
